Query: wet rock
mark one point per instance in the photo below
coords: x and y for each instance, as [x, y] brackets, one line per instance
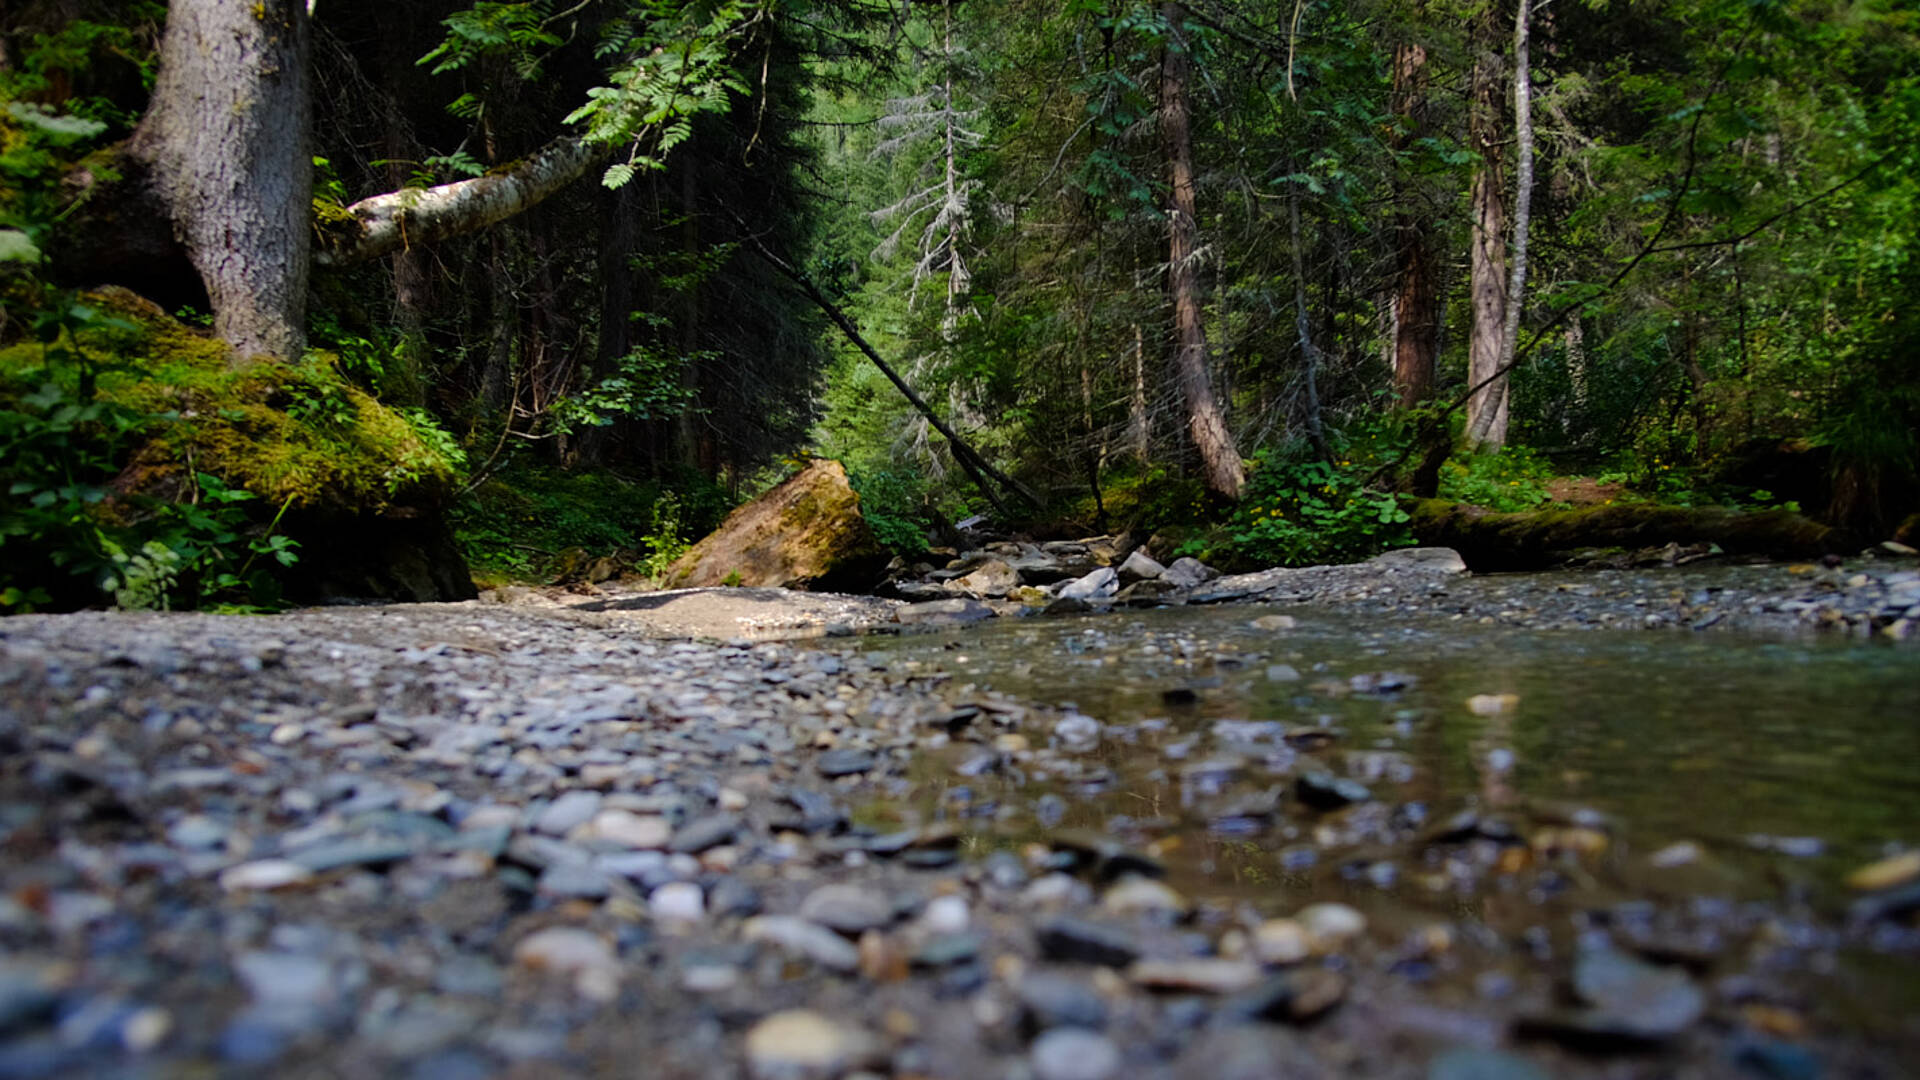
[811, 940]
[1054, 999]
[1079, 941]
[1381, 683]
[1195, 976]
[265, 874]
[993, 579]
[1139, 567]
[574, 880]
[1281, 941]
[850, 909]
[704, 833]
[1292, 996]
[27, 998]
[1679, 853]
[568, 812]
[1041, 569]
[1151, 592]
[565, 950]
[1330, 927]
[1887, 873]
[1187, 573]
[1107, 858]
[627, 829]
[1067, 605]
[1134, 896]
[197, 832]
[1274, 623]
[1073, 1054]
[1325, 791]
[956, 612]
[1774, 1060]
[1629, 1001]
[844, 762]
[947, 950]
[1252, 1052]
[801, 1044]
[1469, 1063]
[677, 901]
[1102, 584]
[946, 915]
[1437, 560]
[369, 850]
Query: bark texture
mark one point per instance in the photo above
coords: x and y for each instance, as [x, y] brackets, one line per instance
[1487, 258]
[1219, 457]
[225, 142]
[1490, 428]
[1416, 301]
[396, 220]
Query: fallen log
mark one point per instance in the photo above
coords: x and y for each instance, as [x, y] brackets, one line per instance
[1538, 539]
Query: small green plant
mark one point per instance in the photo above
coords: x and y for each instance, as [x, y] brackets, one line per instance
[1513, 479]
[663, 539]
[1298, 512]
[646, 385]
[892, 500]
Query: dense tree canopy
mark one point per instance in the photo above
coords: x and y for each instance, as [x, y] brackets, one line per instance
[1149, 263]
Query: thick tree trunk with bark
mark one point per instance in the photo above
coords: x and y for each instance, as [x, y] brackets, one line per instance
[225, 143]
[1416, 301]
[1487, 269]
[1219, 457]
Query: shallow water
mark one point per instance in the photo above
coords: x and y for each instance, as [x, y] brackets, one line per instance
[1786, 761]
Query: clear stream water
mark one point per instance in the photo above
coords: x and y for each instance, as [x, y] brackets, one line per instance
[1786, 761]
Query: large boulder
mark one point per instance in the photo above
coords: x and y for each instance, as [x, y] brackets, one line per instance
[807, 533]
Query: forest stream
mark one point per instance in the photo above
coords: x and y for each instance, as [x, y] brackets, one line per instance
[1245, 840]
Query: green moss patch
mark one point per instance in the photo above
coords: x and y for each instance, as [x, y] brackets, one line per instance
[298, 432]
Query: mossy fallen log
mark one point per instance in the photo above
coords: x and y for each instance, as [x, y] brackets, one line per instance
[1542, 538]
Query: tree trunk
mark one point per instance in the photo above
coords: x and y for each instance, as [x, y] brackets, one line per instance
[225, 141]
[1139, 427]
[1487, 270]
[1220, 459]
[1493, 430]
[1416, 316]
[1309, 353]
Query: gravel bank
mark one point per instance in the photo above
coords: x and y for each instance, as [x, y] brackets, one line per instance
[482, 839]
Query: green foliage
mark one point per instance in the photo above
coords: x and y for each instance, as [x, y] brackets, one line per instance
[672, 62]
[1301, 511]
[894, 503]
[647, 384]
[519, 523]
[1513, 479]
[68, 537]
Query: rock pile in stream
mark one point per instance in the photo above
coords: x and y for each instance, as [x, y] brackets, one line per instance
[477, 840]
[1104, 572]
[1876, 594]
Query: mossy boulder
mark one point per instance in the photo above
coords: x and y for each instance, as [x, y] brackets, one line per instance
[806, 533]
[359, 481]
[1490, 541]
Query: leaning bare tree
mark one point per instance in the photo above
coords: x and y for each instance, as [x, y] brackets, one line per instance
[1219, 457]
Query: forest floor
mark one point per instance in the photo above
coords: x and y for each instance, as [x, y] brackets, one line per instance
[532, 838]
